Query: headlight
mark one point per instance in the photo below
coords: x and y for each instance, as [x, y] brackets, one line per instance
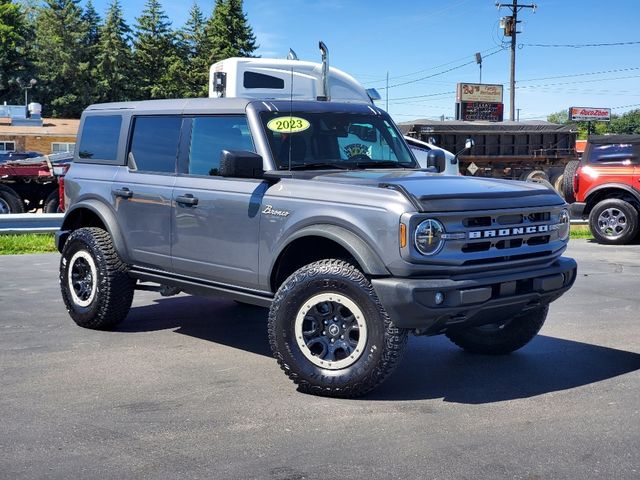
[428, 237]
[564, 224]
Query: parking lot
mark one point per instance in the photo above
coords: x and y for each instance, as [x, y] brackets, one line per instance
[187, 388]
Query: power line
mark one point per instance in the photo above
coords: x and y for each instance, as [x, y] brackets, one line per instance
[581, 74]
[625, 106]
[576, 45]
[579, 81]
[433, 68]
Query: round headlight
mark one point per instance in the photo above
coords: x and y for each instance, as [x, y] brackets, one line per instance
[428, 237]
[564, 224]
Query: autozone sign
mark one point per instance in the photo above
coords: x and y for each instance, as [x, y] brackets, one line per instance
[588, 114]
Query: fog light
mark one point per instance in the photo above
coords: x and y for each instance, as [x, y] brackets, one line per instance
[439, 298]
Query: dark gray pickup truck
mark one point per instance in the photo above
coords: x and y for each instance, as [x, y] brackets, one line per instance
[317, 210]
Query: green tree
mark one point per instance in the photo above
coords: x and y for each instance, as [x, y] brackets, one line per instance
[628, 123]
[193, 67]
[14, 61]
[113, 70]
[65, 83]
[228, 33]
[155, 54]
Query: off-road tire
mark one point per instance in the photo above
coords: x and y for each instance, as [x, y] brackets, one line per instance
[52, 203]
[10, 201]
[567, 180]
[384, 344]
[630, 227]
[113, 294]
[513, 335]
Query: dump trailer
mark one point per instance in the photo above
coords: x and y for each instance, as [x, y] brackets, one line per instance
[533, 150]
[32, 184]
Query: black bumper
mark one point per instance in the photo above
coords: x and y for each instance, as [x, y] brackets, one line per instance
[577, 209]
[411, 303]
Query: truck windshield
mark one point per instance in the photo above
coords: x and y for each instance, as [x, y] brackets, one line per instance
[303, 140]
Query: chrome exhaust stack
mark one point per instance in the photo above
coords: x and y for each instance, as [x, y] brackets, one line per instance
[325, 72]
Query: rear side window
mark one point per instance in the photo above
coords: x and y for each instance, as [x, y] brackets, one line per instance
[154, 144]
[260, 80]
[211, 135]
[100, 135]
[612, 153]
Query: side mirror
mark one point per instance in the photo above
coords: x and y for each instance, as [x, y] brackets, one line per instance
[436, 158]
[240, 164]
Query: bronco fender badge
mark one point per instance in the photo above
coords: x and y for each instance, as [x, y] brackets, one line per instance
[269, 210]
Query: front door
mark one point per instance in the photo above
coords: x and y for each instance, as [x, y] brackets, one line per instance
[216, 220]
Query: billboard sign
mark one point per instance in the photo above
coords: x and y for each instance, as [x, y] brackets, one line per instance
[479, 92]
[589, 114]
[470, 111]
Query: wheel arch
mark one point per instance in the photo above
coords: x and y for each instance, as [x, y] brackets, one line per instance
[612, 190]
[92, 213]
[328, 239]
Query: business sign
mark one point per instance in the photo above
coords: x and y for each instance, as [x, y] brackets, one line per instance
[479, 92]
[589, 114]
[487, 111]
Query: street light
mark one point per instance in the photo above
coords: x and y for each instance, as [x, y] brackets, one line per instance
[32, 83]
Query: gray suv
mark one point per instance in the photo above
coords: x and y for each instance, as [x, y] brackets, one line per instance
[317, 210]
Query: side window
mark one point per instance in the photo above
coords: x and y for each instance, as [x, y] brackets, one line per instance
[100, 135]
[211, 135]
[154, 144]
[613, 153]
[260, 80]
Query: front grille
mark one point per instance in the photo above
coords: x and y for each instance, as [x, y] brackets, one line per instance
[507, 258]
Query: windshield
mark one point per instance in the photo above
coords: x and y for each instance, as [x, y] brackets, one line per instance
[300, 140]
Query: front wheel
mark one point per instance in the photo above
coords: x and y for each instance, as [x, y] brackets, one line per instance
[501, 339]
[95, 285]
[329, 332]
[614, 222]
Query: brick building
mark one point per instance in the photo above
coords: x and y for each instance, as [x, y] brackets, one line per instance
[55, 135]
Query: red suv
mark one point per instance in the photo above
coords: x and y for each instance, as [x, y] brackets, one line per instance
[606, 187]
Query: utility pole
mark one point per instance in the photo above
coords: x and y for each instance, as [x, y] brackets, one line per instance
[510, 26]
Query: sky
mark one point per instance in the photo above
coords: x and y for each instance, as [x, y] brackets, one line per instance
[424, 46]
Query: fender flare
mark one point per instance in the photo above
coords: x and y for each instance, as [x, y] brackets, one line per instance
[620, 186]
[106, 216]
[366, 257]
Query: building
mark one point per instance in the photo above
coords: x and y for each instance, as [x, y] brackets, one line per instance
[54, 136]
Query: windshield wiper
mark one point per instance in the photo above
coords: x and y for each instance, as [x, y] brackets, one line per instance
[319, 166]
[381, 164]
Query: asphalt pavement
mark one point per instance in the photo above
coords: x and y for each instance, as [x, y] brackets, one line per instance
[187, 388]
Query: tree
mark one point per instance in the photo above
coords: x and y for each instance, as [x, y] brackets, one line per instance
[155, 54]
[193, 65]
[113, 70]
[65, 85]
[628, 123]
[228, 33]
[14, 64]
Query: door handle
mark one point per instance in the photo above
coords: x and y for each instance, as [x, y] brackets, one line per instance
[123, 192]
[187, 199]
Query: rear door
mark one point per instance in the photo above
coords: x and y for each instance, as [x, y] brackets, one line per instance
[142, 191]
[216, 220]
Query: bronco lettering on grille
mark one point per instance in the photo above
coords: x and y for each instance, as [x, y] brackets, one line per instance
[507, 232]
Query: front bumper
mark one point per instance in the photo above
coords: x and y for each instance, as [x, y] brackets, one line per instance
[411, 303]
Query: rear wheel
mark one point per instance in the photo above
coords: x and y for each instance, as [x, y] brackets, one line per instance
[96, 287]
[501, 339]
[614, 222]
[567, 180]
[52, 203]
[329, 332]
[533, 176]
[10, 201]
[557, 180]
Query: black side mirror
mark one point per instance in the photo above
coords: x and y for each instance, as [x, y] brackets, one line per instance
[240, 164]
[436, 158]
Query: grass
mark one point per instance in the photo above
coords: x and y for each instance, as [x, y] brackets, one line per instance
[580, 231]
[27, 243]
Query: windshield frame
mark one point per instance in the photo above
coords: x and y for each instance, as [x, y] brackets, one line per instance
[258, 123]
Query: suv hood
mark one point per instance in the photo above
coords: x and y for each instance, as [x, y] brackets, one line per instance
[436, 193]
